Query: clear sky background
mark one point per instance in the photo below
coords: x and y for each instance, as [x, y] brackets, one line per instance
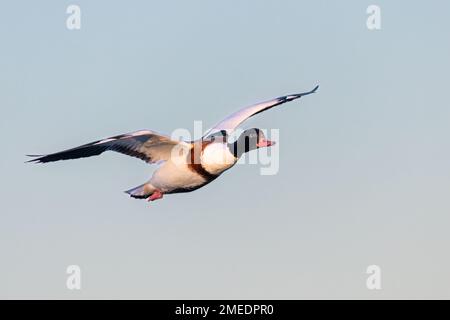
[364, 163]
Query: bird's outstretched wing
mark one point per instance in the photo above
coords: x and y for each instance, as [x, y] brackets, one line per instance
[230, 123]
[146, 145]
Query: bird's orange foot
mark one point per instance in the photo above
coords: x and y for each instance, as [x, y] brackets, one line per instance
[155, 196]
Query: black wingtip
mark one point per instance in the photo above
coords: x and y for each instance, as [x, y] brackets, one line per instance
[37, 160]
[299, 95]
[312, 91]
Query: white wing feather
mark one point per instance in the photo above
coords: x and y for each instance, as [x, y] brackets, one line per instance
[230, 123]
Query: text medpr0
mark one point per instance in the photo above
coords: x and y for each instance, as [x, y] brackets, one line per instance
[246, 309]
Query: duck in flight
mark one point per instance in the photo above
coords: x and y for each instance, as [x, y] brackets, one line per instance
[183, 166]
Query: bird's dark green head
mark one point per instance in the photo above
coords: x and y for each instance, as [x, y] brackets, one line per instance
[250, 139]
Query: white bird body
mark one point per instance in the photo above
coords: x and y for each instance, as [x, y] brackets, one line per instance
[183, 166]
[176, 175]
[217, 157]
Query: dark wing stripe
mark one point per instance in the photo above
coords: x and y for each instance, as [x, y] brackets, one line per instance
[130, 152]
[140, 145]
[84, 151]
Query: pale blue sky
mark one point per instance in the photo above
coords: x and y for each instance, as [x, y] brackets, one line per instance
[364, 163]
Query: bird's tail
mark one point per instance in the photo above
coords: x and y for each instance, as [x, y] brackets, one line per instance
[141, 192]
